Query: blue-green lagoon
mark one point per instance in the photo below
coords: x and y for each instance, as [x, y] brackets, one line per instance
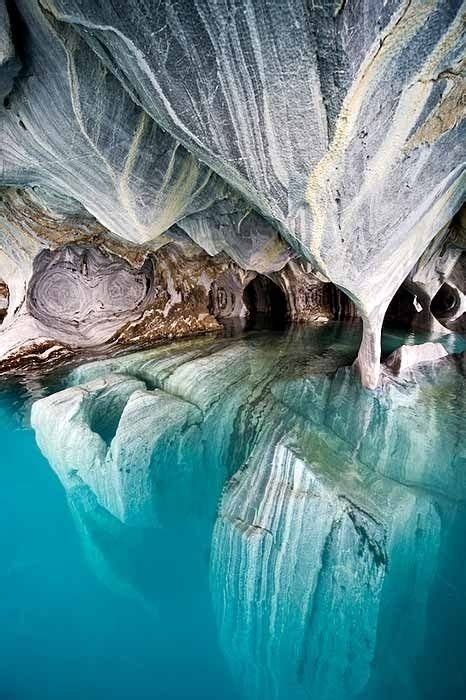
[235, 519]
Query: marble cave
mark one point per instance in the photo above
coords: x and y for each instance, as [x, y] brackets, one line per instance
[232, 336]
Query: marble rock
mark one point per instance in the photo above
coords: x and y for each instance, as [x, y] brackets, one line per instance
[437, 280]
[408, 356]
[311, 494]
[455, 307]
[129, 415]
[108, 422]
[299, 571]
[83, 292]
[339, 124]
[9, 62]
[230, 226]
[121, 418]
[70, 286]
[4, 300]
[72, 127]
[388, 422]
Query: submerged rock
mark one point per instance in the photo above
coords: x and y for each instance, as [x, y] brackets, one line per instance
[114, 425]
[395, 430]
[408, 356]
[122, 418]
[318, 509]
[304, 555]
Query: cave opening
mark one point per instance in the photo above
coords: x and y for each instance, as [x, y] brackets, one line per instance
[338, 304]
[445, 303]
[401, 311]
[266, 304]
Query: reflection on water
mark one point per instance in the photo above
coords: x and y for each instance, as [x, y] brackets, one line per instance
[252, 524]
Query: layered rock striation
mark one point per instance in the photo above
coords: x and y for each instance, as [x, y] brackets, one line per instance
[330, 134]
[315, 508]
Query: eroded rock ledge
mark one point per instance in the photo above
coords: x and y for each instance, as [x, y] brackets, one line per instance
[156, 160]
[73, 287]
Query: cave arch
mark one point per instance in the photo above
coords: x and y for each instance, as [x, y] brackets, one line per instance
[401, 310]
[446, 303]
[338, 304]
[266, 304]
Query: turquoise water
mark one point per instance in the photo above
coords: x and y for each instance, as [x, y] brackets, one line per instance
[234, 518]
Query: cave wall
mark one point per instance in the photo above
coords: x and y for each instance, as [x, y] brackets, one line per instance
[331, 131]
[455, 318]
[4, 300]
[439, 267]
[73, 288]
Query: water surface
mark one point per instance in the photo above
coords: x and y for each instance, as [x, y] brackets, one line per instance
[234, 518]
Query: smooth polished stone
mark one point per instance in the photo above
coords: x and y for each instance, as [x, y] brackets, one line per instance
[235, 518]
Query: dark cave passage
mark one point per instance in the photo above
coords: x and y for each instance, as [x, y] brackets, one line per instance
[445, 303]
[401, 310]
[266, 304]
[411, 311]
[338, 303]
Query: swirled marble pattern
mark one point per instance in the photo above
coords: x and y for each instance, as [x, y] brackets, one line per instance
[72, 286]
[83, 292]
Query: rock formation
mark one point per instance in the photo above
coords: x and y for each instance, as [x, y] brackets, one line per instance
[302, 567]
[328, 134]
[72, 287]
[4, 300]
[120, 418]
[437, 280]
[325, 507]
[388, 422]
